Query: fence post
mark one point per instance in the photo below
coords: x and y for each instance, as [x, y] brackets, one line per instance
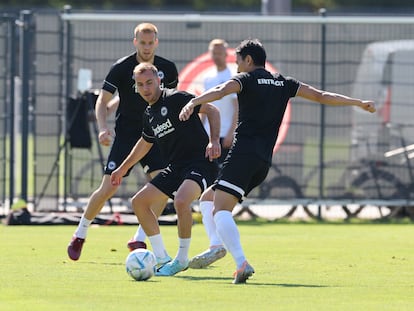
[322, 12]
[12, 75]
[25, 76]
[67, 30]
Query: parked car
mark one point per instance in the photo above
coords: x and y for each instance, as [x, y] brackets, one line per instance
[386, 75]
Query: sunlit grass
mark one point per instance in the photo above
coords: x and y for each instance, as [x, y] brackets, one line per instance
[298, 267]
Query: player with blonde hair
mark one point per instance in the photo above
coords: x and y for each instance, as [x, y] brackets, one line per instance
[118, 92]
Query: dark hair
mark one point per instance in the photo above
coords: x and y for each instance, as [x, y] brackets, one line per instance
[255, 49]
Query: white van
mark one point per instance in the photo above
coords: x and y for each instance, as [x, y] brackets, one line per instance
[385, 75]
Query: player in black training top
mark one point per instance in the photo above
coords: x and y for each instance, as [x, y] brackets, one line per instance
[191, 169]
[129, 107]
[262, 98]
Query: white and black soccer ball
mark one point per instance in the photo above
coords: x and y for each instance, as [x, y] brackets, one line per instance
[140, 264]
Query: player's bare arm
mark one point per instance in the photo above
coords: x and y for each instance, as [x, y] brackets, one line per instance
[140, 149]
[209, 96]
[333, 99]
[112, 105]
[213, 149]
[106, 134]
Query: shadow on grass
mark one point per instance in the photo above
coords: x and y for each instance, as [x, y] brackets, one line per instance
[211, 278]
[354, 221]
[101, 263]
[302, 285]
[249, 282]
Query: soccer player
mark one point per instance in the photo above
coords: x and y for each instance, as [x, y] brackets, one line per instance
[262, 98]
[228, 121]
[129, 107]
[190, 154]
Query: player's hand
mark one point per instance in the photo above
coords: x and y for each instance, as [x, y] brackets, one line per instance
[116, 176]
[213, 150]
[368, 105]
[186, 112]
[106, 136]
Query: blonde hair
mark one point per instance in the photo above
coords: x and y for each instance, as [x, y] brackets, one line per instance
[146, 28]
[143, 67]
[216, 42]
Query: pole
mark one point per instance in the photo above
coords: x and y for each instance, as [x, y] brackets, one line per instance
[67, 92]
[12, 76]
[25, 76]
[322, 12]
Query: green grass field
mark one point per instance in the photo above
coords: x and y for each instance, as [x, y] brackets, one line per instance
[298, 266]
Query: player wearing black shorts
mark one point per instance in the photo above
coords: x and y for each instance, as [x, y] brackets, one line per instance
[128, 125]
[184, 149]
[262, 98]
[129, 107]
[189, 153]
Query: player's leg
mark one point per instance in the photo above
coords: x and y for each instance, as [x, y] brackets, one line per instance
[95, 203]
[206, 208]
[152, 164]
[229, 233]
[142, 202]
[119, 151]
[188, 191]
[232, 186]
[226, 226]
[216, 249]
[98, 198]
[138, 240]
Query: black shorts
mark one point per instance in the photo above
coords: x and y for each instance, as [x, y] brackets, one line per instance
[152, 161]
[224, 153]
[240, 174]
[170, 179]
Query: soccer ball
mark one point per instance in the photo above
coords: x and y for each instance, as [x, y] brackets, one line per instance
[140, 264]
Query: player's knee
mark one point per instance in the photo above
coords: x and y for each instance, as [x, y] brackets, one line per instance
[137, 203]
[181, 204]
[207, 195]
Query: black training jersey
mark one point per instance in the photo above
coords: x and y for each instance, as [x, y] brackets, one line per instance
[179, 141]
[132, 105]
[262, 103]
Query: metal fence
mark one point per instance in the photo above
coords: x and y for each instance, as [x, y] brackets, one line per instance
[8, 69]
[326, 154]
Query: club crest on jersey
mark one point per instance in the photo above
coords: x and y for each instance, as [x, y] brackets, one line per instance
[161, 75]
[164, 111]
[111, 165]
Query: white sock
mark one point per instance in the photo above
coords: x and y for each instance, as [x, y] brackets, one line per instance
[229, 234]
[158, 246]
[83, 226]
[184, 246]
[206, 208]
[140, 234]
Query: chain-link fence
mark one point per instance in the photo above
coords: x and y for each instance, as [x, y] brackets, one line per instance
[326, 153]
[8, 63]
